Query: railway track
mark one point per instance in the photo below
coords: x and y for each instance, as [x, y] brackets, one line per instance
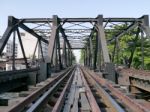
[124, 102]
[39, 96]
[104, 100]
[75, 90]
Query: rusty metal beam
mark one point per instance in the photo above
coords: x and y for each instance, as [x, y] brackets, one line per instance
[133, 105]
[141, 82]
[92, 101]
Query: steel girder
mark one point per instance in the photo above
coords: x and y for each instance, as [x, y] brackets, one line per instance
[55, 41]
[41, 20]
[102, 39]
[95, 53]
[52, 39]
[59, 54]
[64, 59]
[91, 52]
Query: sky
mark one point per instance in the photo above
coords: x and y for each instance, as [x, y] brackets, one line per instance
[71, 8]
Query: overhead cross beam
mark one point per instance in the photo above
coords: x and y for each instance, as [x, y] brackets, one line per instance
[41, 20]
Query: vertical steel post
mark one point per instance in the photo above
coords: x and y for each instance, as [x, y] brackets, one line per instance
[109, 70]
[59, 54]
[67, 55]
[145, 25]
[99, 63]
[142, 48]
[102, 39]
[117, 45]
[95, 53]
[55, 57]
[114, 51]
[88, 57]
[52, 47]
[52, 39]
[91, 52]
[13, 55]
[40, 44]
[87, 48]
[71, 58]
[64, 54]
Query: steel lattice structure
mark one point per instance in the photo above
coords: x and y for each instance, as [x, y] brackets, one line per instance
[74, 33]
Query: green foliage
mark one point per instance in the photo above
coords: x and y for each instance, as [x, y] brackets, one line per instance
[129, 48]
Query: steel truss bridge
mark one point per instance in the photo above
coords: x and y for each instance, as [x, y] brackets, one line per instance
[55, 83]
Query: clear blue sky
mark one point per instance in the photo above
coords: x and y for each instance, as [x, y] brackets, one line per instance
[71, 8]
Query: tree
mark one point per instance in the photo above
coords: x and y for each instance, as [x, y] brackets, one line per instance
[127, 49]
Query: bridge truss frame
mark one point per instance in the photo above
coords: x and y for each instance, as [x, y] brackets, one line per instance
[57, 31]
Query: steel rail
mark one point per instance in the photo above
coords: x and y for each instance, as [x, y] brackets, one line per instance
[92, 101]
[45, 97]
[134, 106]
[61, 99]
[36, 94]
[113, 105]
